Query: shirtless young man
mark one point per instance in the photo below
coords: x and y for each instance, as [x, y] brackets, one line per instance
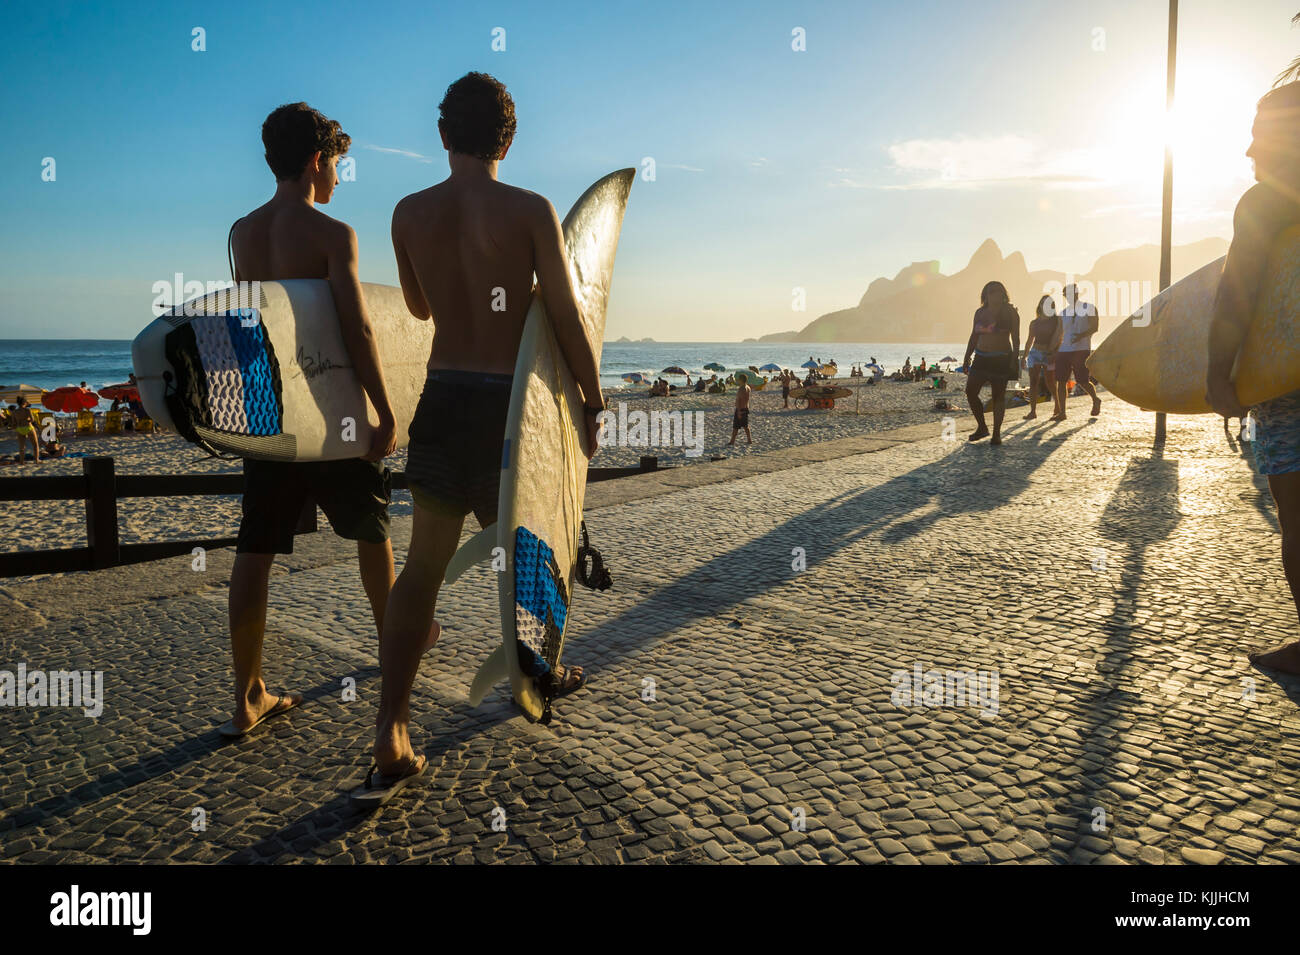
[740, 419]
[1266, 209]
[289, 238]
[460, 245]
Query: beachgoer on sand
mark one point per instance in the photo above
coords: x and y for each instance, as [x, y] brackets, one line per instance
[1266, 209]
[995, 342]
[1078, 323]
[1040, 354]
[25, 428]
[455, 242]
[288, 237]
[740, 418]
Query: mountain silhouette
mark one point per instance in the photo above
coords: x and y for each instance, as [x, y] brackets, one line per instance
[921, 304]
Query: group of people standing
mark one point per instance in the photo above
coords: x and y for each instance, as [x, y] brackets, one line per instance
[1058, 346]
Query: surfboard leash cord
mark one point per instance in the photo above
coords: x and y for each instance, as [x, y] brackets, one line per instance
[595, 577]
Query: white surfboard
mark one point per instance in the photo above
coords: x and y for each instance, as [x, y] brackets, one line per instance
[262, 371]
[543, 468]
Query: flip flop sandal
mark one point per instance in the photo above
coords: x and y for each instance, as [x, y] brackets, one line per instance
[378, 788]
[560, 690]
[230, 731]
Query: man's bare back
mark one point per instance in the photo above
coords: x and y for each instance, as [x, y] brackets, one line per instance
[289, 238]
[471, 245]
[287, 241]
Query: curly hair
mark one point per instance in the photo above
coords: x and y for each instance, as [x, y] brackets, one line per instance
[477, 116]
[293, 132]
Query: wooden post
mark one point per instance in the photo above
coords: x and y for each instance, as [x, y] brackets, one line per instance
[101, 512]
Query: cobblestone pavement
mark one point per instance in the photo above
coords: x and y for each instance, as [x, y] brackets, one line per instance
[747, 673]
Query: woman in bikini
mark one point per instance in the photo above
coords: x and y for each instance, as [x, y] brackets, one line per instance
[26, 430]
[1040, 354]
[995, 342]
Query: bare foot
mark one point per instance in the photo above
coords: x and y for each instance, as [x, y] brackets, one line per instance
[1031, 416]
[1284, 659]
[1057, 417]
[434, 632]
[262, 705]
[393, 753]
[1096, 407]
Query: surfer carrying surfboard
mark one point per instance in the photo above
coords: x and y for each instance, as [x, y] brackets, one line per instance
[289, 238]
[1264, 211]
[995, 342]
[467, 249]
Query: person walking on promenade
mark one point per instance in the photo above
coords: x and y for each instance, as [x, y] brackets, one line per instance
[290, 238]
[995, 343]
[1078, 323]
[1040, 354]
[1265, 210]
[456, 242]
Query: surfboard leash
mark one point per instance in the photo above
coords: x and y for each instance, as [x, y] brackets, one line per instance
[595, 577]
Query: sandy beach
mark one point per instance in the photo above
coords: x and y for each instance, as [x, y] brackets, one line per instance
[35, 525]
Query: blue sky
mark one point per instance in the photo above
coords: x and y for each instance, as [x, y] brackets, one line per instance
[903, 132]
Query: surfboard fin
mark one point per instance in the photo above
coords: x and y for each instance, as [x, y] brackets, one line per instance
[477, 548]
[489, 674]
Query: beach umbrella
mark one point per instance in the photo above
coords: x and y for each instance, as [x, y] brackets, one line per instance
[10, 393]
[125, 391]
[949, 358]
[633, 376]
[714, 366]
[68, 399]
[810, 364]
[770, 366]
[673, 370]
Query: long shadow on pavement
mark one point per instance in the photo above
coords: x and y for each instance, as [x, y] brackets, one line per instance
[1142, 512]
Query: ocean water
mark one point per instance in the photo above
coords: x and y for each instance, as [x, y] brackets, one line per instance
[54, 363]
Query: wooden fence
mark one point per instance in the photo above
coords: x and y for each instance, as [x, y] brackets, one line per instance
[101, 488]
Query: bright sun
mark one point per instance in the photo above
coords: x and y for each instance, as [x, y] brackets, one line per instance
[1210, 123]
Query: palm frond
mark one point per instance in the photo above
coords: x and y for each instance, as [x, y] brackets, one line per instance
[1292, 72]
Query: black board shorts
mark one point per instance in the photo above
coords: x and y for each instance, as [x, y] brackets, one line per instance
[354, 494]
[453, 463]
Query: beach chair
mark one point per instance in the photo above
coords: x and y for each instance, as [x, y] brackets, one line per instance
[144, 425]
[85, 422]
[113, 422]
